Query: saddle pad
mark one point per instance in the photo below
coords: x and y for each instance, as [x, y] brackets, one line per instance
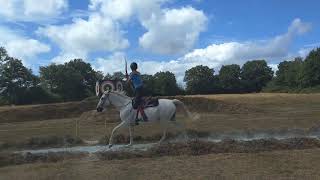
[152, 102]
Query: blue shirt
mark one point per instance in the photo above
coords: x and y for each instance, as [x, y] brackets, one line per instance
[136, 79]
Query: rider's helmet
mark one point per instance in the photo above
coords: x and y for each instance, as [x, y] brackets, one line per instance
[134, 66]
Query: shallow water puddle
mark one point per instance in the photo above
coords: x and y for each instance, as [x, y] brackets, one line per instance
[237, 136]
[92, 149]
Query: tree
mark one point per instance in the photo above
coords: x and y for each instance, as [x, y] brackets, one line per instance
[118, 76]
[74, 80]
[3, 58]
[89, 76]
[289, 73]
[255, 75]
[3, 55]
[149, 84]
[165, 83]
[200, 79]
[229, 78]
[311, 69]
[15, 79]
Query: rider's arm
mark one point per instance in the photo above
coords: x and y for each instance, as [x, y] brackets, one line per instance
[129, 81]
[129, 78]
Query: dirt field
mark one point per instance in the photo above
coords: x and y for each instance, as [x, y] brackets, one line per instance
[297, 164]
[218, 114]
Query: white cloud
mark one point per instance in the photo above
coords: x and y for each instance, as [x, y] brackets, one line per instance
[216, 55]
[173, 31]
[169, 31]
[274, 67]
[237, 52]
[101, 31]
[84, 36]
[20, 46]
[111, 64]
[65, 57]
[31, 10]
[125, 9]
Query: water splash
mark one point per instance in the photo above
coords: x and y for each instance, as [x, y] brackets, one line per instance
[212, 137]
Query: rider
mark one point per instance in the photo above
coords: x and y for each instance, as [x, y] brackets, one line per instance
[137, 83]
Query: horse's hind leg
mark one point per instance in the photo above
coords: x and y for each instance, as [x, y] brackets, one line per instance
[182, 128]
[164, 125]
[163, 136]
[114, 130]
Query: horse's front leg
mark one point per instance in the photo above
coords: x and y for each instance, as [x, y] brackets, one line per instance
[131, 130]
[114, 129]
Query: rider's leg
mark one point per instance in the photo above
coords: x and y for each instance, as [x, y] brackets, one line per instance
[144, 116]
[138, 96]
[137, 116]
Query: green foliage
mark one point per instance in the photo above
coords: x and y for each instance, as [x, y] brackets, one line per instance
[311, 69]
[255, 75]
[38, 95]
[297, 76]
[15, 79]
[74, 80]
[3, 55]
[165, 83]
[289, 73]
[229, 78]
[199, 80]
[149, 84]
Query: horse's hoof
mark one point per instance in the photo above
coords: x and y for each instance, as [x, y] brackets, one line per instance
[128, 145]
[110, 145]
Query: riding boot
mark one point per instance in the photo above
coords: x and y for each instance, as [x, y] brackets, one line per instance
[136, 119]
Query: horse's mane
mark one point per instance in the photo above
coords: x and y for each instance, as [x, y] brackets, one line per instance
[121, 93]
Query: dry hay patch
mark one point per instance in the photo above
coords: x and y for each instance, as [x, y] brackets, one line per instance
[201, 104]
[109, 116]
[7, 159]
[43, 141]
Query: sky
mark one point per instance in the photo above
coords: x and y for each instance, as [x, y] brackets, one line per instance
[160, 35]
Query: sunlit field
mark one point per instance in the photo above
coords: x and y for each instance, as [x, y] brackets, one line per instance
[219, 114]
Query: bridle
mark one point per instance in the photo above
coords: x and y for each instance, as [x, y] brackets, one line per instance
[107, 98]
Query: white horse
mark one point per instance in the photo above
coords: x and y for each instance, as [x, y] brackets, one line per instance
[164, 113]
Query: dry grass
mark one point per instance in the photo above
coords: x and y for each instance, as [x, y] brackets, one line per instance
[11, 114]
[293, 164]
[7, 159]
[219, 114]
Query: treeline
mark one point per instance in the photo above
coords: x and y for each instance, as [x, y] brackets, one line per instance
[75, 80]
[71, 81]
[298, 75]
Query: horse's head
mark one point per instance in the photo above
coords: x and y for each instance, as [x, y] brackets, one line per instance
[104, 101]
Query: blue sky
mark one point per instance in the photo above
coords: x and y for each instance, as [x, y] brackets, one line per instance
[159, 34]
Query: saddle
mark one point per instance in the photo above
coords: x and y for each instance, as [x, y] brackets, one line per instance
[146, 103]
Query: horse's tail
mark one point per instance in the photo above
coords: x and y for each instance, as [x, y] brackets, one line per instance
[185, 109]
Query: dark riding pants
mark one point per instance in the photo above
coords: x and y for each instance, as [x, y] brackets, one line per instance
[138, 95]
